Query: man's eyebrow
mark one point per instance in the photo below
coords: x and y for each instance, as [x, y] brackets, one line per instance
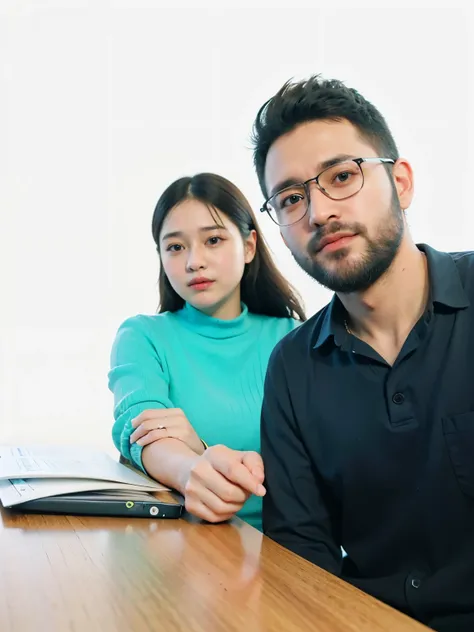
[325, 164]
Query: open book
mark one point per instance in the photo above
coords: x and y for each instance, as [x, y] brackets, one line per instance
[35, 472]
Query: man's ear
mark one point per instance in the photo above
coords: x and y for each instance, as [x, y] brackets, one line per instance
[404, 184]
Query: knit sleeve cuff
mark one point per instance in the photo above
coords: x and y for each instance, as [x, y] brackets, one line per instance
[136, 454]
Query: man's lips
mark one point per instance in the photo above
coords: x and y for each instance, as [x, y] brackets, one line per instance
[334, 241]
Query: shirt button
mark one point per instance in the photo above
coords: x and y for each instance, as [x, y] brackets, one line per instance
[398, 398]
[415, 582]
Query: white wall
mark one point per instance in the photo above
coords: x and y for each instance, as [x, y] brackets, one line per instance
[102, 104]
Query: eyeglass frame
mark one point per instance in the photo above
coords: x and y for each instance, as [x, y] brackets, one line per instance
[358, 161]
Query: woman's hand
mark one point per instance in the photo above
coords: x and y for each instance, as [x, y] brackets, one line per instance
[220, 481]
[165, 423]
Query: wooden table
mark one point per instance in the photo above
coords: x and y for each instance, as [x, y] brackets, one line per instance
[61, 573]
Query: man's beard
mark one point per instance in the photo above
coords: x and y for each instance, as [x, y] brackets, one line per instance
[376, 260]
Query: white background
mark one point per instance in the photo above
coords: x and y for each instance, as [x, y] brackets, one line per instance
[103, 104]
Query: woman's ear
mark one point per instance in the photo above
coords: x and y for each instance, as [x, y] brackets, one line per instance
[250, 246]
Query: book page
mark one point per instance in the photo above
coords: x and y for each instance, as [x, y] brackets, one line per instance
[68, 462]
[16, 491]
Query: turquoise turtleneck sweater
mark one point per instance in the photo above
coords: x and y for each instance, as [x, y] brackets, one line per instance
[212, 369]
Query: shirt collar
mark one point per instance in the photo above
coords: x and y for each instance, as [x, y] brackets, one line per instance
[333, 324]
[445, 289]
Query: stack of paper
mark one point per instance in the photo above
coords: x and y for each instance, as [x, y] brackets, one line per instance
[28, 473]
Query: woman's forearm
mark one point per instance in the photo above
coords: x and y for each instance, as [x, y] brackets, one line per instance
[169, 461]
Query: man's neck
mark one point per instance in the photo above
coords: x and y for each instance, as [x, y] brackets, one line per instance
[385, 314]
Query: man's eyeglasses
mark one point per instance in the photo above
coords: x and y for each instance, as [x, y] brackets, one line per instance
[339, 182]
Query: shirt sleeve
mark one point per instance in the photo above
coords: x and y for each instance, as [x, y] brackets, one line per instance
[138, 380]
[296, 513]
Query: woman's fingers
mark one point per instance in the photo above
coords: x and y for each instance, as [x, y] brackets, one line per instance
[158, 414]
[153, 435]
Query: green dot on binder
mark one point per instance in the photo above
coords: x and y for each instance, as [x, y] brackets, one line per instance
[129, 504]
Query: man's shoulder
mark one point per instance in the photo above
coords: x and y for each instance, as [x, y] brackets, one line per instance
[463, 259]
[304, 337]
[451, 275]
[464, 262]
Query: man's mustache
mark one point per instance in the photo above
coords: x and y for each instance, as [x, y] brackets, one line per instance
[314, 244]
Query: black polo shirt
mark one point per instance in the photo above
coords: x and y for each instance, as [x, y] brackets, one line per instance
[379, 459]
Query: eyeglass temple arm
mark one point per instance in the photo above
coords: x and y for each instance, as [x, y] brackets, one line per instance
[384, 160]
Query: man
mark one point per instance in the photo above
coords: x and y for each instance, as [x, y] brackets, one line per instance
[368, 415]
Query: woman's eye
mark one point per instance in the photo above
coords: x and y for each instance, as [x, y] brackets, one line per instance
[173, 248]
[213, 241]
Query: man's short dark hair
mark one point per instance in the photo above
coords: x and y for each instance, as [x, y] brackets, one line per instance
[316, 99]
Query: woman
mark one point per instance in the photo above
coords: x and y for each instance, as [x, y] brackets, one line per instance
[192, 376]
